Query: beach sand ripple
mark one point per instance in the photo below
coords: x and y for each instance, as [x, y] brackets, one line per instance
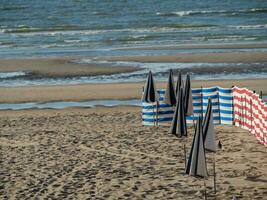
[105, 153]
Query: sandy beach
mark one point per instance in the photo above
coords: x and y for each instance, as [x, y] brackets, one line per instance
[105, 153]
[72, 76]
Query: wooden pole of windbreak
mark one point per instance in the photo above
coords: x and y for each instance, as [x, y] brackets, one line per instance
[242, 112]
[214, 173]
[219, 107]
[233, 107]
[251, 114]
[261, 95]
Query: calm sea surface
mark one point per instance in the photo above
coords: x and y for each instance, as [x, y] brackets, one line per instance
[40, 28]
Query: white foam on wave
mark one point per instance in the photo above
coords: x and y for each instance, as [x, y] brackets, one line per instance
[257, 26]
[4, 75]
[72, 41]
[194, 12]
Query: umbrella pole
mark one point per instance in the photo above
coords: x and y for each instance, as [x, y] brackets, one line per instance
[194, 121]
[205, 190]
[214, 174]
[184, 155]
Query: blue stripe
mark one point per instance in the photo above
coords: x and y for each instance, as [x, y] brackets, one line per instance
[226, 111]
[216, 96]
[225, 90]
[159, 120]
[197, 111]
[226, 119]
[214, 104]
[226, 104]
[205, 104]
[161, 91]
[204, 90]
[214, 118]
[206, 97]
[154, 106]
[226, 97]
[165, 119]
[159, 113]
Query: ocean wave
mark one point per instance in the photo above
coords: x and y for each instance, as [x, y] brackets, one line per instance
[72, 41]
[225, 38]
[11, 7]
[30, 31]
[208, 12]
[25, 29]
[256, 26]
[134, 38]
[6, 75]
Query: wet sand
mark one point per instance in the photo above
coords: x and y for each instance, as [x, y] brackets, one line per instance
[68, 67]
[204, 46]
[105, 153]
[122, 91]
[234, 57]
[59, 67]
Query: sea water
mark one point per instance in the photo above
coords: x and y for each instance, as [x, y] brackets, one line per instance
[98, 28]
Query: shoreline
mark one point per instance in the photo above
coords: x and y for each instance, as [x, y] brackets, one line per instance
[232, 57]
[104, 91]
[60, 67]
[66, 67]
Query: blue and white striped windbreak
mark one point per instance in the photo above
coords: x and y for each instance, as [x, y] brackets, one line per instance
[222, 106]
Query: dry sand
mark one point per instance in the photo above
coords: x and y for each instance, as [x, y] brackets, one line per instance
[105, 91]
[105, 153]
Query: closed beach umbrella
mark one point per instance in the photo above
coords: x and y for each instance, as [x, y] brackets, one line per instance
[196, 164]
[178, 126]
[170, 96]
[208, 129]
[188, 102]
[150, 92]
[179, 84]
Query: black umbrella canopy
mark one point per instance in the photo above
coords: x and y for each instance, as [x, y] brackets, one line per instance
[170, 97]
[179, 84]
[178, 126]
[196, 164]
[150, 91]
[188, 102]
[208, 129]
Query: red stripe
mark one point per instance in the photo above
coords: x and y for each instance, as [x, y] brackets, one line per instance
[245, 115]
